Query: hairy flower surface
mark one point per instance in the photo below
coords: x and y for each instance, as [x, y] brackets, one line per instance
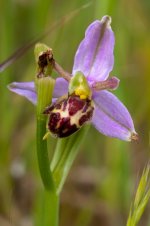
[94, 59]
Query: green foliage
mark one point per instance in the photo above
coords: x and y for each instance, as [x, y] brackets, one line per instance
[65, 153]
[141, 198]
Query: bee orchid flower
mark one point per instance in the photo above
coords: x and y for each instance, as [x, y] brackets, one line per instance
[94, 59]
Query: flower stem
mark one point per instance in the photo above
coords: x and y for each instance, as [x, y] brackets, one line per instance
[45, 88]
[48, 211]
[42, 154]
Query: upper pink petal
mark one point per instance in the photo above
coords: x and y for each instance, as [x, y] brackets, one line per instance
[94, 56]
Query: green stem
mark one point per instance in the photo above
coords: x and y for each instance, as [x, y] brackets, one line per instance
[47, 209]
[51, 209]
[45, 88]
[42, 154]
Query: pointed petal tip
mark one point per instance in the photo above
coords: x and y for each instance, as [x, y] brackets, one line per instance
[11, 86]
[134, 137]
[114, 82]
[106, 19]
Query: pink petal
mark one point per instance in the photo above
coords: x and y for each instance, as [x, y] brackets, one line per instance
[25, 89]
[111, 117]
[61, 87]
[94, 56]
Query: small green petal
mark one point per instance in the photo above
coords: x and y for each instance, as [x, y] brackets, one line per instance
[79, 86]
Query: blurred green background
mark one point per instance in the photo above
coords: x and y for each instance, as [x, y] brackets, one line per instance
[102, 182]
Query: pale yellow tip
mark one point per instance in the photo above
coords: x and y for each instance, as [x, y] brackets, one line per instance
[134, 137]
[46, 135]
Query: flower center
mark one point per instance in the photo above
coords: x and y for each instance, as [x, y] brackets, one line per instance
[79, 86]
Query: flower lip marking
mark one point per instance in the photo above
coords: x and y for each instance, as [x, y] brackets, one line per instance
[67, 115]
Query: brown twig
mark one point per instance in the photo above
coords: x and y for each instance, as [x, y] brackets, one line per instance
[66, 75]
